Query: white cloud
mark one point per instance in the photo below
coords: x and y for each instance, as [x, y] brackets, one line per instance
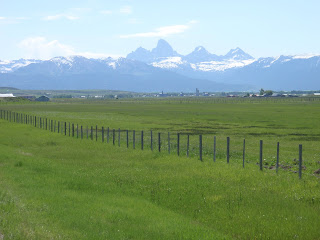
[106, 12]
[61, 16]
[126, 10]
[2, 18]
[41, 48]
[160, 32]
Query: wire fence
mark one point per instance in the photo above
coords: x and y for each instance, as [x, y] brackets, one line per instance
[181, 144]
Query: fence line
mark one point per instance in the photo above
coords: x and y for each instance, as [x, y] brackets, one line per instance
[51, 125]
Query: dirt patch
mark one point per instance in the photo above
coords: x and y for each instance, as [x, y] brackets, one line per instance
[317, 171]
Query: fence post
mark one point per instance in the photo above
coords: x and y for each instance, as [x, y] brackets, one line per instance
[96, 132]
[228, 149]
[214, 148]
[35, 120]
[72, 129]
[69, 129]
[55, 124]
[91, 133]
[134, 139]
[300, 161]
[244, 152]
[151, 141]
[278, 153]
[200, 147]
[178, 144]
[261, 146]
[141, 140]
[169, 142]
[127, 138]
[188, 144]
[87, 132]
[65, 128]
[119, 138]
[102, 133]
[46, 124]
[81, 132]
[113, 136]
[159, 142]
[58, 126]
[77, 131]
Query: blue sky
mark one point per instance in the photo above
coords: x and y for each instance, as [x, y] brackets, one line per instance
[96, 28]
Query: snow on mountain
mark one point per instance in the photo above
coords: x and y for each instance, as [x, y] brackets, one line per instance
[220, 65]
[10, 66]
[237, 54]
[169, 62]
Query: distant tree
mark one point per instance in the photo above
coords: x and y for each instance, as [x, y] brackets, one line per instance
[268, 92]
[261, 91]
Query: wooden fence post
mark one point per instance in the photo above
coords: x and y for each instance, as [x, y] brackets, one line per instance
[169, 142]
[244, 152]
[96, 132]
[228, 149]
[113, 136]
[178, 144]
[200, 147]
[58, 126]
[214, 148]
[300, 161]
[151, 141]
[127, 138]
[65, 128]
[102, 134]
[188, 144]
[81, 132]
[261, 150]
[91, 133]
[141, 140]
[119, 139]
[278, 153]
[159, 142]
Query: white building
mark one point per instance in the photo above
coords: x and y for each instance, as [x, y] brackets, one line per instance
[6, 95]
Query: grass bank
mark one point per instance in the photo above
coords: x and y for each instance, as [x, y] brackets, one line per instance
[56, 187]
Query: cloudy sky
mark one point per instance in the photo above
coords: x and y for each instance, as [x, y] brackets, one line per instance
[99, 28]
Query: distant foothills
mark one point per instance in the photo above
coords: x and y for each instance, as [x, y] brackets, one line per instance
[163, 69]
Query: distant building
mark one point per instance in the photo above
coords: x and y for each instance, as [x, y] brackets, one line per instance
[162, 94]
[197, 92]
[6, 95]
[42, 99]
[316, 94]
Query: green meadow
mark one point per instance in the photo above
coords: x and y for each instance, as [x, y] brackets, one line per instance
[59, 187]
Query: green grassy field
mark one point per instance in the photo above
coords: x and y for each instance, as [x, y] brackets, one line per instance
[58, 187]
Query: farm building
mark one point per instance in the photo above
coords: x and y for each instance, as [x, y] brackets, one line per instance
[6, 95]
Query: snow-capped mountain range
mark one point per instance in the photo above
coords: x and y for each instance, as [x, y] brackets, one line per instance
[162, 68]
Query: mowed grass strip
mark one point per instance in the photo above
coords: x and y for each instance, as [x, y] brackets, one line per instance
[57, 187]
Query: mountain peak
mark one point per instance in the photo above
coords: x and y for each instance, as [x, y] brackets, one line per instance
[163, 49]
[200, 49]
[237, 54]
